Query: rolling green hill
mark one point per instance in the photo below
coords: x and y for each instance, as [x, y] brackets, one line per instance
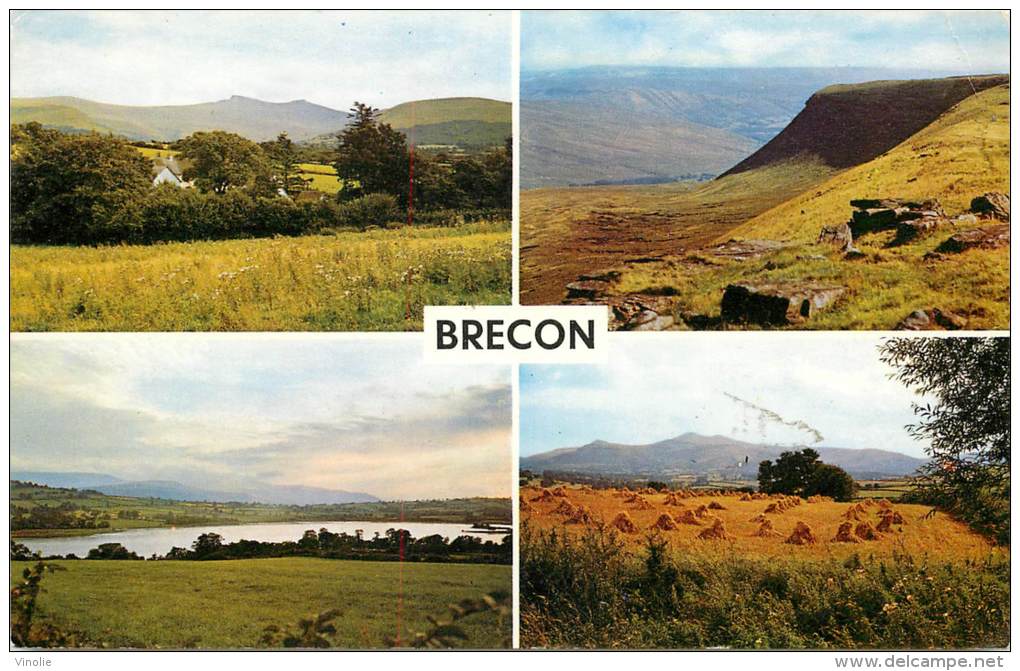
[442, 110]
[255, 119]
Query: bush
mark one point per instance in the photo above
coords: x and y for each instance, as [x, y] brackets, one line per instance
[375, 209]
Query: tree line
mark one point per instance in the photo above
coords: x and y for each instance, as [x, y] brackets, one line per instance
[393, 545]
[98, 189]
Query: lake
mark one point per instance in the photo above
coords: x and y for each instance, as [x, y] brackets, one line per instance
[146, 542]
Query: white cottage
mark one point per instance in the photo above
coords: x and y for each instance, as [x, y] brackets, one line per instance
[167, 171]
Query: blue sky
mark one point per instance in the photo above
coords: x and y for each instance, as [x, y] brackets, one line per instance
[966, 41]
[219, 411]
[329, 58]
[658, 388]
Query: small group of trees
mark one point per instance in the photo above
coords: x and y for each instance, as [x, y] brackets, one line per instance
[372, 157]
[391, 545]
[802, 473]
[94, 189]
[63, 516]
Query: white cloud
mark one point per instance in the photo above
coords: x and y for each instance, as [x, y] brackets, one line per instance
[331, 58]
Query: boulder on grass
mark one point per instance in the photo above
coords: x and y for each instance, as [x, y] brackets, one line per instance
[993, 204]
[985, 237]
[776, 304]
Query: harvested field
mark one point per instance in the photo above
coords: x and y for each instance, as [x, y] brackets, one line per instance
[838, 529]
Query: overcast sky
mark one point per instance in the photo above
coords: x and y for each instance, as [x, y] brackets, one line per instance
[329, 58]
[972, 42]
[216, 412]
[658, 388]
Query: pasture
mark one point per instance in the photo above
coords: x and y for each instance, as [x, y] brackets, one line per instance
[378, 280]
[228, 604]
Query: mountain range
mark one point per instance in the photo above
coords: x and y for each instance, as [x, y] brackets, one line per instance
[694, 454]
[453, 121]
[641, 124]
[295, 495]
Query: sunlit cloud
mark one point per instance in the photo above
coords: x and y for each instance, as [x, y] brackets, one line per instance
[345, 414]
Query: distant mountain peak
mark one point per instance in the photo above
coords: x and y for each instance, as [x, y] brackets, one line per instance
[695, 454]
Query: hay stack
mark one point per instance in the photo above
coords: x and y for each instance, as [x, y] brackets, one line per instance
[802, 535]
[624, 523]
[717, 532]
[846, 534]
[866, 532]
[640, 503]
[766, 530]
[745, 497]
[884, 503]
[560, 491]
[648, 491]
[688, 517]
[526, 507]
[566, 508]
[773, 509]
[851, 515]
[701, 511]
[673, 500]
[715, 505]
[581, 515]
[760, 517]
[665, 523]
[544, 495]
[892, 514]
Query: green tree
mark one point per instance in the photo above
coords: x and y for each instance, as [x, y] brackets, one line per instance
[283, 156]
[74, 188]
[830, 480]
[207, 544]
[217, 161]
[789, 474]
[372, 157]
[964, 421]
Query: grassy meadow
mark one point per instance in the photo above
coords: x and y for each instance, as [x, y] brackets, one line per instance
[228, 604]
[350, 281]
[928, 583]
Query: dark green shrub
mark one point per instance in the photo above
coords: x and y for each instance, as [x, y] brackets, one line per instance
[375, 209]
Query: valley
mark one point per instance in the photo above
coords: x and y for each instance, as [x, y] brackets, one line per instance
[672, 250]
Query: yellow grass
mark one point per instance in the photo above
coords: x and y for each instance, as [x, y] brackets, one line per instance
[377, 280]
[938, 537]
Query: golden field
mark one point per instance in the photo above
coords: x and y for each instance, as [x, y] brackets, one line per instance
[938, 536]
[349, 281]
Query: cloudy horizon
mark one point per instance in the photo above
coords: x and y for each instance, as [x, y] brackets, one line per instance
[230, 413]
[972, 42]
[330, 58]
[797, 390]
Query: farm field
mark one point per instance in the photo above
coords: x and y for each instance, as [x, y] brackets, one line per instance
[228, 604]
[377, 280]
[128, 512]
[938, 536]
[604, 583]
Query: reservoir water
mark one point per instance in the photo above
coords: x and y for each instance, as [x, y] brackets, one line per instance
[146, 542]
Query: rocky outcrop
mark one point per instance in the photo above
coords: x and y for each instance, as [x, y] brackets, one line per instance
[993, 205]
[839, 236]
[778, 304]
[908, 218]
[985, 237]
[933, 319]
[592, 287]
